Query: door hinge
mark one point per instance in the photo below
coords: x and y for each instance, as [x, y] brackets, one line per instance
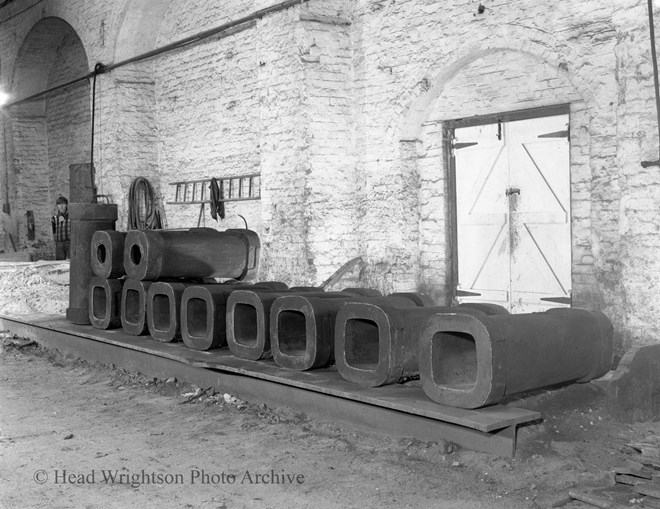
[458, 146]
[558, 300]
[465, 293]
[557, 134]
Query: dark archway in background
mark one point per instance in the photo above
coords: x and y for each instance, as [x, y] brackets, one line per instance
[47, 135]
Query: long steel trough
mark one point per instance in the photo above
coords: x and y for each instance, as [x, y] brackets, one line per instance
[398, 410]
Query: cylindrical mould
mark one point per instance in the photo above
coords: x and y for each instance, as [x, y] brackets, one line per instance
[203, 315]
[485, 307]
[420, 299]
[302, 329]
[272, 285]
[164, 310]
[252, 251]
[303, 289]
[302, 326]
[134, 306]
[248, 322]
[86, 218]
[377, 343]
[107, 253]
[364, 292]
[194, 253]
[105, 302]
[472, 361]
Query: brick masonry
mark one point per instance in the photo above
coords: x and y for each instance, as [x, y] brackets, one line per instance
[339, 105]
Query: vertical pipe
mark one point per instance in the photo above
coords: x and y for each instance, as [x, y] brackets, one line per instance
[654, 57]
[86, 218]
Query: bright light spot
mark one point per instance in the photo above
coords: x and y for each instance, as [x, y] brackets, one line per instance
[4, 98]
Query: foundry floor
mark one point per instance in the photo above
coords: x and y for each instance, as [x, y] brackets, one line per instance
[397, 409]
[59, 414]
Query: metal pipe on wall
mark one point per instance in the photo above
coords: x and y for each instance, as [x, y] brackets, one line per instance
[656, 84]
[164, 49]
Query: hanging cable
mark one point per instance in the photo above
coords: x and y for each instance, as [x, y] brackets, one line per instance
[143, 213]
[99, 68]
[656, 86]
[244, 220]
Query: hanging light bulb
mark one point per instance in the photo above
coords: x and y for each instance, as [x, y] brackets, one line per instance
[4, 97]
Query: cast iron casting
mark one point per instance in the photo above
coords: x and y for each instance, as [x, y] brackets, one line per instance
[473, 361]
[105, 302]
[195, 253]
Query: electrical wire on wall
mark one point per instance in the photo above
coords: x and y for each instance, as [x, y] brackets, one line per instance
[656, 85]
[99, 68]
[225, 28]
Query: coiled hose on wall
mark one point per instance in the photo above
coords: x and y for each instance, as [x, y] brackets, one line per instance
[143, 213]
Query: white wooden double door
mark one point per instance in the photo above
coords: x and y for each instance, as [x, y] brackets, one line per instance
[513, 229]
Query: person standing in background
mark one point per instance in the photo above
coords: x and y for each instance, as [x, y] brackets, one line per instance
[62, 229]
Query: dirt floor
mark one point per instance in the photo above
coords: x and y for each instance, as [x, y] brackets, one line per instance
[79, 435]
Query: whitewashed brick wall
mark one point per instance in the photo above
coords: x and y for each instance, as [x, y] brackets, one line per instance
[339, 104]
[411, 55]
[48, 134]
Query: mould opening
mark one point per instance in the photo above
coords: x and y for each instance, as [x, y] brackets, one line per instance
[99, 303]
[136, 254]
[361, 344]
[160, 306]
[245, 325]
[197, 317]
[454, 360]
[100, 253]
[132, 310]
[292, 332]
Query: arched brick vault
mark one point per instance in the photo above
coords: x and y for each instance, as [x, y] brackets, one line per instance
[126, 130]
[64, 11]
[49, 134]
[139, 27]
[422, 108]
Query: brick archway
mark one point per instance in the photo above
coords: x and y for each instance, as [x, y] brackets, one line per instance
[48, 134]
[483, 82]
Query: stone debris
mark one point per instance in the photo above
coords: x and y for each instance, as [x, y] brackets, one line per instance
[209, 396]
[10, 340]
[34, 288]
[196, 394]
[635, 482]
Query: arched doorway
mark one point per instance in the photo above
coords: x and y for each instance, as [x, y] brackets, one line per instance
[492, 93]
[46, 135]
